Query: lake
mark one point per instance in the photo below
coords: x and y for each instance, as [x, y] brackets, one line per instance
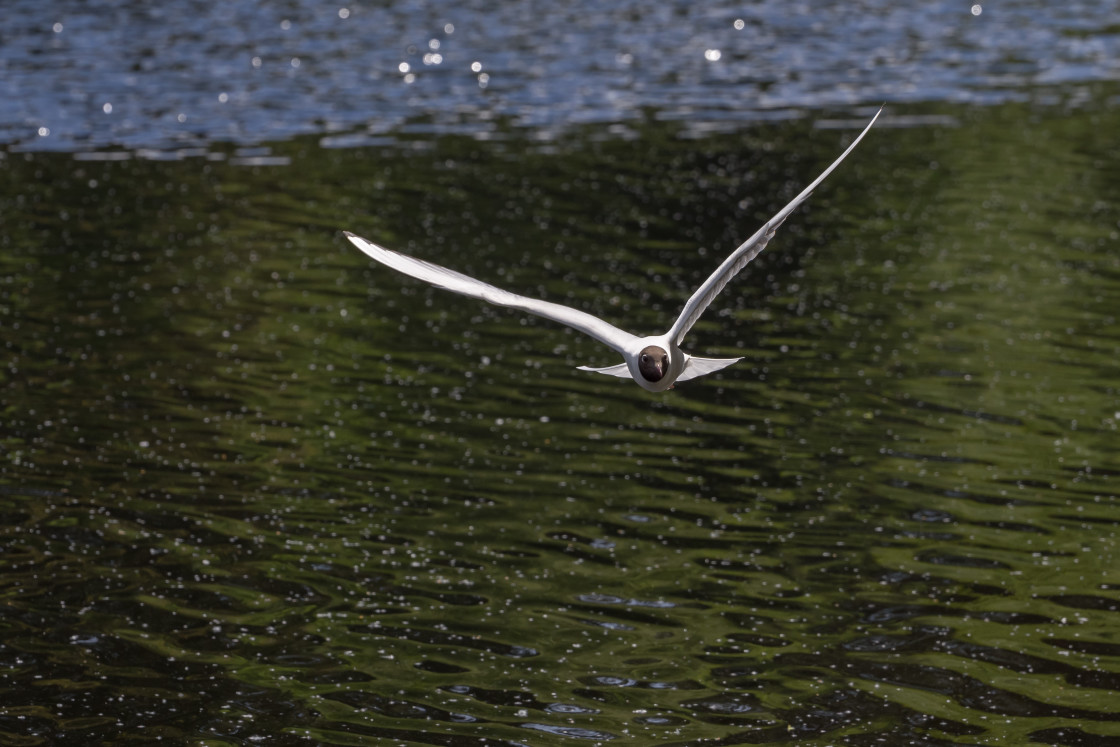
[256, 488]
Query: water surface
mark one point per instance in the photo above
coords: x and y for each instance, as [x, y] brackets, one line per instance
[255, 488]
[171, 78]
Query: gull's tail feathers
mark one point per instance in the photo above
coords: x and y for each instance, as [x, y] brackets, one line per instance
[622, 371]
[696, 367]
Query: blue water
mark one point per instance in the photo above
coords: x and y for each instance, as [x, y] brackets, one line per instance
[169, 77]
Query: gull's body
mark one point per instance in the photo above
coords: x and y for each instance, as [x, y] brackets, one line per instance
[656, 362]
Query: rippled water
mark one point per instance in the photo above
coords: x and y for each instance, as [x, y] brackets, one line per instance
[164, 78]
[254, 489]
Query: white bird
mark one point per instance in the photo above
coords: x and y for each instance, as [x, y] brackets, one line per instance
[655, 362]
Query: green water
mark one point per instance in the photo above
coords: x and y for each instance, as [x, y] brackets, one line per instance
[255, 487]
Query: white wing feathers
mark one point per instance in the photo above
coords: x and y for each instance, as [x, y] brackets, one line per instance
[441, 277]
[715, 283]
[622, 370]
[747, 251]
[592, 326]
[697, 367]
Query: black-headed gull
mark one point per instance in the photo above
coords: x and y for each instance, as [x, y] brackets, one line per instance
[656, 362]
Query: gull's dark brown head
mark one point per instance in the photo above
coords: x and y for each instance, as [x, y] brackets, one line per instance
[653, 363]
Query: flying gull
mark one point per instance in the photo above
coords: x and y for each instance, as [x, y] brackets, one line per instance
[655, 362]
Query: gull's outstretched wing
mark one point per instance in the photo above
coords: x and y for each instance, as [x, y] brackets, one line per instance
[747, 251]
[441, 277]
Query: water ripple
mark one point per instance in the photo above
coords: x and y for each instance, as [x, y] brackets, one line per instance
[184, 77]
[249, 492]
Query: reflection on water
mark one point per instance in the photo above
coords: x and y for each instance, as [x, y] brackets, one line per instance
[254, 488]
[183, 75]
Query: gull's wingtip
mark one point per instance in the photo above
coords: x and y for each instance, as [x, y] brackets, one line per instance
[877, 115]
[366, 246]
[358, 241]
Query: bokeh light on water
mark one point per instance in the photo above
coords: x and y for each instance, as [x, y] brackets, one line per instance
[255, 489]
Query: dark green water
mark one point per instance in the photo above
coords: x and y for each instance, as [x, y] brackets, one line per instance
[255, 489]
